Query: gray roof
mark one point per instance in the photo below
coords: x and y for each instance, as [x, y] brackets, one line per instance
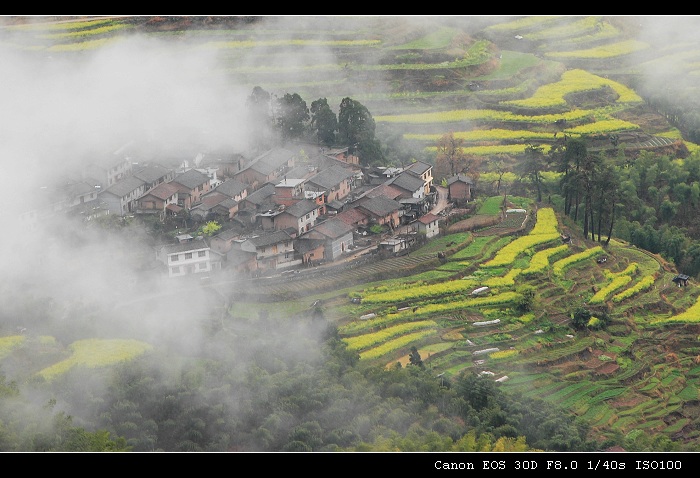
[302, 207]
[152, 173]
[418, 167]
[407, 181]
[163, 191]
[192, 245]
[125, 186]
[461, 178]
[272, 160]
[331, 177]
[78, 189]
[227, 234]
[306, 244]
[191, 178]
[231, 188]
[380, 205]
[228, 203]
[261, 195]
[270, 239]
[333, 228]
[300, 172]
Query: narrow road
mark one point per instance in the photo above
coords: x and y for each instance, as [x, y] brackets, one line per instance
[441, 203]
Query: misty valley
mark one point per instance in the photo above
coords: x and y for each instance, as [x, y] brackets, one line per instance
[350, 234]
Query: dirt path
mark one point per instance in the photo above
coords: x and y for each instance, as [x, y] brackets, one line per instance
[472, 223]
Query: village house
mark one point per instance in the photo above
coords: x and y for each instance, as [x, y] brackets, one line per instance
[268, 167]
[429, 224]
[257, 202]
[161, 200]
[336, 182]
[425, 172]
[459, 188]
[311, 250]
[226, 164]
[153, 175]
[189, 257]
[108, 170]
[222, 242]
[194, 185]
[289, 191]
[73, 193]
[220, 203]
[342, 154]
[241, 262]
[355, 217]
[121, 198]
[214, 206]
[381, 210]
[300, 216]
[410, 185]
[377, 175]
[273, 251]
[336, 235]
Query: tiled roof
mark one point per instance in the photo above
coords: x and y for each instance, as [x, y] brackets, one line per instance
[407, 181]
[333, 228]
[418, 167]
[125, 186]
[191, 179]
[386, 190]
[461, 178]
[428, 218]
[152, 173]
[379, 206]
[261, 195]
[331, 177]
[193, 245]
[231, 188]
[272, 160]
[163, 190]
[301, 208]
[352, 216]
[270, 239]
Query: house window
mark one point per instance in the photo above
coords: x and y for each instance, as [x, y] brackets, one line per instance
[174, 258]
[175, 270]
[201, 254]
[286, 255]
[188, 255]
[307, 216]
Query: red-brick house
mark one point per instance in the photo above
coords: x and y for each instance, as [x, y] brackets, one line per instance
[336, 182]
[268, 167]
[459, 188]
[381, 210]
[161, 199]
[194, 184]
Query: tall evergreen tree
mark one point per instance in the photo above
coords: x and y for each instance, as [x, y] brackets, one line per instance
[260, 122]
[356, 130]
[291, 116]
[324, 122]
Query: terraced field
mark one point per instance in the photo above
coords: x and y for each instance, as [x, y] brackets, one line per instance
[500, 84]
[619, 377]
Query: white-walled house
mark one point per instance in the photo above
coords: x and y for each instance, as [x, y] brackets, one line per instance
[192, 257]
[429, 224]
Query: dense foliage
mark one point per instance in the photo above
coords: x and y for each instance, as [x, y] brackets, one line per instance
[286, 400]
